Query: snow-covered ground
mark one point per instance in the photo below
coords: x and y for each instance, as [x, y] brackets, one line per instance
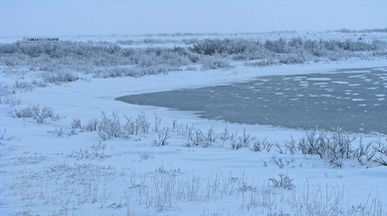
[59, 168]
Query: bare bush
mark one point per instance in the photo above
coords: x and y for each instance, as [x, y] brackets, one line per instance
[364, 152]
[61, 131]
[312, 143]
[35, 112]
[214, 63]
[236, 144]
[4, 137]
[283, 181]
[162, 137]
[135, 126]
[90, 126]
[24, 85]
[225, 135]
[9, 100]
[196, 138]
[211, 137]
[381, 153]
[283, 163]
[59, 77]
[228, 138]
[245, 139]
[109, 127]
[157, 124]
[2, 134]
[5, 90]
[261, 145]
[174, 125]
[89, 154]
[334, 148]
[340, 146]
[279, 162]
[291, 146]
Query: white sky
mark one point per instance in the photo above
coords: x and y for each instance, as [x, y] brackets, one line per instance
[80, 17]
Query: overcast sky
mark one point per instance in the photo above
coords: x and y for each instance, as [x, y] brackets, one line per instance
[101, 17]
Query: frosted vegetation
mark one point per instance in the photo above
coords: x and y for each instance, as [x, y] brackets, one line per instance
[57, 61]
[334, 148]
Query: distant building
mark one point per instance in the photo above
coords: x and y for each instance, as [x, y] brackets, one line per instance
[36, 39]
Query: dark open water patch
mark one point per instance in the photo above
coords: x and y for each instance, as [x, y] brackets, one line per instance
[355, 102]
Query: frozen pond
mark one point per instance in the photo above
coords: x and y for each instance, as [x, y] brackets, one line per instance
[352, 100]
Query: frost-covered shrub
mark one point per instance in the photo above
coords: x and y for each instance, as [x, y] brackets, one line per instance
[89, 154]
[90, 57]
[312, 143]
[90, 126]
[242, 141]
[60, 76]
[135, 126]
[35, 112]
[23, 85]
[261, 145]
[381, 153]
[5, 90]
[225, 46]
[236, 144]
[162, 56]
[334, 148]
[3, 137]
[196, 138]
[109, 127]
[292, 59]
[245, 139]
[60, 49]
[9, 100]
[214, 63]
[277, 46]
[292, 51]
[162, 137]
[339, 146]
[364, 152]
[225, 135]
[211, 137]
[283, 181]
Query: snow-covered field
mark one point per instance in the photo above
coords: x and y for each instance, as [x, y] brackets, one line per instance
[70, 148]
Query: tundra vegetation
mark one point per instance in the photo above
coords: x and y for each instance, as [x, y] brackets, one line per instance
[58, 61]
